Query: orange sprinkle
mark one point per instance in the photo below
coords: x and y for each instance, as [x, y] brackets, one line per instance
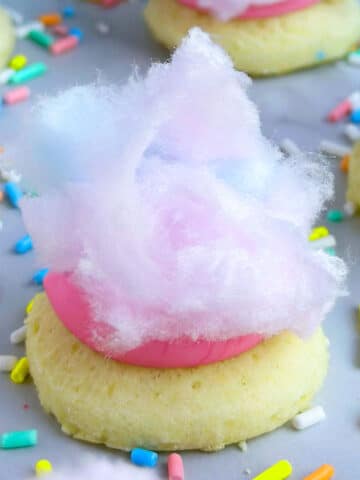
[325, 472]
[1, 195]
[344, 163]
[50, 19]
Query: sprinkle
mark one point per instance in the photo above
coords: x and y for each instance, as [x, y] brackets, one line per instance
[352, 132]
[308, 418]
[5, 75]
[175, 467]
[19, 335]
[102, 28]
[64, 45]
[349, 209]
[29, 306]
[15, 16]
[335, 216]
[39, 276]
[24, 30]
[324, 242]
[20, 371]
[355, 116]
[26, 406]
[325, 472]
[330, 251]
[320, 55]
[43, 467]
[26, 438]
[143, 458]
[354, 58]
[344, 163]
[18, 62]
[344, 108]
[13, 193]
[28, 73]
[7, 362]
[50, 19]
[10, 175]
[243, 446]
[247, 471]
[60, 30]
[76, 32]
[109, 3]
[16, 95]
[68, 12]
[290, 147]
[279, 471]
[318, 232]
[23, 245]
[41, 38]
[332, 148]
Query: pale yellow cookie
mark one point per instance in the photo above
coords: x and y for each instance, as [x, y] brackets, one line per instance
[208, 407]
[320, 33]
[7, 38]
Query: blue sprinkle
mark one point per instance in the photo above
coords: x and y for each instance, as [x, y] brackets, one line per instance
[23, 245]
[39, 276]
[355, 116]
[320, 55]
[76, 32]
[143, 458]
[13, 193]
[330, 251]
[68, 12]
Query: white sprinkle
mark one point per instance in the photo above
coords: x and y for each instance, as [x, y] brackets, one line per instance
[247, 471]
[349, 209]
[324, 242]
[332, 148]
[7, 362]
[10, 175]
[354, 99]
[308, 418]
[5, 75]
[15, 16]
[352, 132]
[102, 28]
[354, 59]
[19, 335]
[24, 30]
[289, 147]
[243, 446]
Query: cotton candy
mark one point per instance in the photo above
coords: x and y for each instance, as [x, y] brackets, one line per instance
[172, 211]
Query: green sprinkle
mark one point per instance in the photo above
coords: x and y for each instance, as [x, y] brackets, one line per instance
[335, 216]
[26, 438]
[41, 38]
[330, 251]
[28, 73]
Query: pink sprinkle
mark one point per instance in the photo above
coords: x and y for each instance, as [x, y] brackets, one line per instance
[26, 406]
[175, 467]
[109, 3]
[16, 95]
[340, 111]
[60, 30]
[63, 45]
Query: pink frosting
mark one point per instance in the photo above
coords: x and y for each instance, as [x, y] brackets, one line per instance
[246, 10]
[69, 303]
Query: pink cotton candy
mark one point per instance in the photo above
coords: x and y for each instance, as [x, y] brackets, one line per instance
[172, 211]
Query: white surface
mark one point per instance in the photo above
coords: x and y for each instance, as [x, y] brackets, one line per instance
[292, 107]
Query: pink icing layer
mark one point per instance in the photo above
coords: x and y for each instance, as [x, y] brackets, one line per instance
[70, 305]
[264, 11]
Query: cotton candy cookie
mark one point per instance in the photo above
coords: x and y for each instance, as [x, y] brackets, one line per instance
[198, 235]
[7, 37]
[276, 44]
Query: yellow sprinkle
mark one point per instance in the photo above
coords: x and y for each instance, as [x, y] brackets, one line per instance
[20, 371]
[318, 232]
[43, 467]
[18, 62]
[29, 306]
